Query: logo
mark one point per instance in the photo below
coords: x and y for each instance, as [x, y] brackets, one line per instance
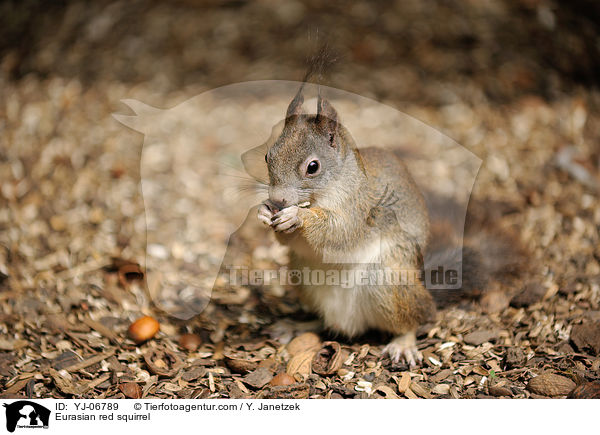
[204, 174]
[26, 414]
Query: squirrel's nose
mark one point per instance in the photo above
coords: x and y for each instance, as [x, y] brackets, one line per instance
[282, 196]
[279, 197]
[279, 205]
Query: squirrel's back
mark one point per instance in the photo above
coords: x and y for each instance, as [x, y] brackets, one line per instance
[399, 198]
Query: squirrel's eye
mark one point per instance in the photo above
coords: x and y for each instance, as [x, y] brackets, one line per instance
[312, 167]
[266, 159]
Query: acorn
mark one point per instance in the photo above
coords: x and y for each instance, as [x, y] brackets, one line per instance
[143, 329]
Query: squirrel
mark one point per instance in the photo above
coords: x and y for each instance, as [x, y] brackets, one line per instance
[352, 220]
[340, 208]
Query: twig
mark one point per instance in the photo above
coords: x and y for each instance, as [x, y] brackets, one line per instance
[90, 361]
[95, 383]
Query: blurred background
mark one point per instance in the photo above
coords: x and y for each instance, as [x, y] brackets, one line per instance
[514, 81]
[402, 50]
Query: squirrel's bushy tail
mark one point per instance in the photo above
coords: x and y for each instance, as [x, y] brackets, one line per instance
[491, 256]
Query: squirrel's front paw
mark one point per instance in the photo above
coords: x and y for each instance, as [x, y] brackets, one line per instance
[287, 220]
[265, 215]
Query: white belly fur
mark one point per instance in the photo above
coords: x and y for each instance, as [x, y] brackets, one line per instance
[347, 310]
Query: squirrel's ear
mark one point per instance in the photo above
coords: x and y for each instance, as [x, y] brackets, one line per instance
[325, 111]
[327, 117]
[295, 107]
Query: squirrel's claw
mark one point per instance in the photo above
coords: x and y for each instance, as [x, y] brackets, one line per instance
[265, 215]
[287, 220]
[403, 348]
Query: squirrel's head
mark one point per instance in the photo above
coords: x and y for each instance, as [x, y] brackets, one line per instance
[308, 156]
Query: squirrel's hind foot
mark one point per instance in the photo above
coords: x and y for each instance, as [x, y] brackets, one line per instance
[404, 348]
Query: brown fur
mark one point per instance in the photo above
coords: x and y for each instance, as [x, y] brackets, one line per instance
[365, 212]
[403, 224]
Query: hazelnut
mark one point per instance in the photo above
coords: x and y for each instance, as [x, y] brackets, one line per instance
[282, 379]
[143, 329]
[190, 342]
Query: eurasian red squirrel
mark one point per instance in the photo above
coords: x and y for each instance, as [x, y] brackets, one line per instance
[341, 208]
